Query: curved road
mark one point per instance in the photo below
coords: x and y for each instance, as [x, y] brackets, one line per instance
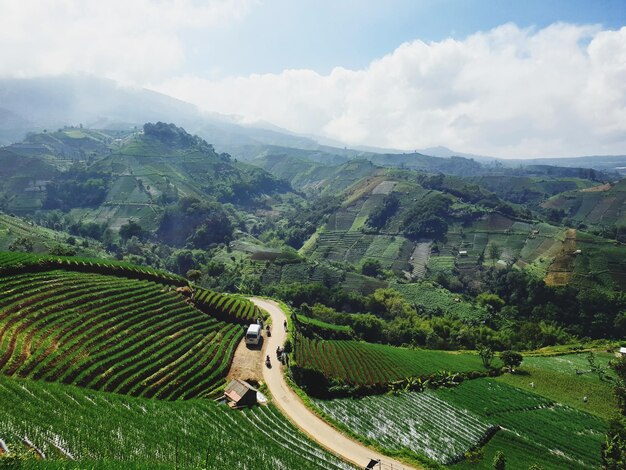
[291, 405]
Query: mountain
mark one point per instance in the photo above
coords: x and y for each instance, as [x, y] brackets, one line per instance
[35, 104]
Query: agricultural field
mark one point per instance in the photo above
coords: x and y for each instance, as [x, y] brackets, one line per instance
[553, 435]
[361, 363]
[78, 428]
[17, 262]
[416, 424]
[13, 228]
[111, 333]
[603, 204]
[567, 379]
[229, 308]
[444, 424]
[439, 301]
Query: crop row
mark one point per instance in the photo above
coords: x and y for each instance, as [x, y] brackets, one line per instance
[417, 422]
[226, 307]
[104, 430]
[110, 333]
[15, 263]
[360, 363]
[547, 427]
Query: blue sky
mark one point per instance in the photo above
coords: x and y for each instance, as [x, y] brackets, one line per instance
[523, 78]
[322, 34]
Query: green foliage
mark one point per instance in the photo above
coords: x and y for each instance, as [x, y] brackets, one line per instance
[486, 355]
[499, 461]
[381, 214]
[78, 187]
[614, 447]
[428, 217]
[371, 267]
[511, 359]
[22, 244]
[198, 223]
[131, 229]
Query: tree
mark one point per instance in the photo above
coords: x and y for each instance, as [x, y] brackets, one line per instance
[511, 359]
[486, 354]
[371, 267]
[614, 447]
[499, 461]
[131, 229]
[494, 253]
[22, 244]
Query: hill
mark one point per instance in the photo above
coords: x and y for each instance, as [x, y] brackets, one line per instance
[113, 327]
[112, 179]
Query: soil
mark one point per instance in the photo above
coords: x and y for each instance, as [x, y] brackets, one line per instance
[246, 363]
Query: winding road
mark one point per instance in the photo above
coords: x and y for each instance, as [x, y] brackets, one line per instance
[292, 407]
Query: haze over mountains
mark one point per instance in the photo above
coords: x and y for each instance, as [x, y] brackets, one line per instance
[35, 104]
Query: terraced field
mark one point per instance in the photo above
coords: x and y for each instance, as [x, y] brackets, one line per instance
[444, 424]
[439, 301]
[361, 363]
[226, 307]
[418, 423]
[552, 435]
[16, 263]
[111, 333]
[76, 428]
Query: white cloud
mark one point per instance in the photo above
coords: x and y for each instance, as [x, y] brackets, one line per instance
[507, 92]
[131, 41]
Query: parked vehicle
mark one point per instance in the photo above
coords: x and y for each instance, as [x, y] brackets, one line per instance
[253, 335]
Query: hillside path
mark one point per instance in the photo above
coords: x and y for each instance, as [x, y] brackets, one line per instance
[292, 407]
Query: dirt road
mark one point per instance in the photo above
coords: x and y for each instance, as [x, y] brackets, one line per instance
[291, 405]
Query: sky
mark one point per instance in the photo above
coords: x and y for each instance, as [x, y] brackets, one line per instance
[502, 78]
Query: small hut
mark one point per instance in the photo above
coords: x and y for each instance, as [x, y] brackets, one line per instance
[463, 253]
[622, 351]
[240, 393]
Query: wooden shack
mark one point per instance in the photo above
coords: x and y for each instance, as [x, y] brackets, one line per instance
[240, 393]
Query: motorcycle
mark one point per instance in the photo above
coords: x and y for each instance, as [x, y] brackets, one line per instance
[268, 363]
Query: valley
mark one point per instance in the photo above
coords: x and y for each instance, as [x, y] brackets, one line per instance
[128, 258]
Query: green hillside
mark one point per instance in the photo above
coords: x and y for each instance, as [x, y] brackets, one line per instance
[66, 321]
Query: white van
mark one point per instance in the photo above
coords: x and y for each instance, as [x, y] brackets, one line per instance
[253, 335]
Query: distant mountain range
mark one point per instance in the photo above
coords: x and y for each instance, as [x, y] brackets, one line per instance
[32, 105]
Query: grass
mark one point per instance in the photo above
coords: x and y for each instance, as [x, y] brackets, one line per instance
[323, 325]
[103, 430]
[555, 378]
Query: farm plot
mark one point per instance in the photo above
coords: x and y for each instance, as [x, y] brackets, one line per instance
[419, 259]
[111, 333]
[544, 426]
[229, 308]
[77, 428]
[360, 363]
[363, 284]
[418, 423]
[568, 379]
[372, 202]
[16, 263]
[439, 301]
[440, 264]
